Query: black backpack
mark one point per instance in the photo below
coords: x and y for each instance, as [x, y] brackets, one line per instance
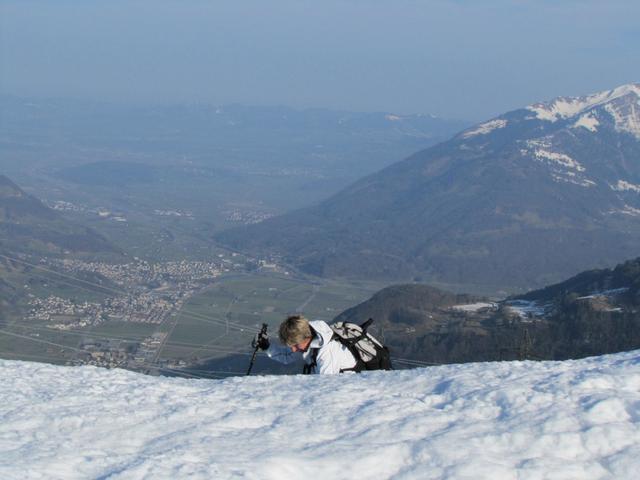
[369, 353]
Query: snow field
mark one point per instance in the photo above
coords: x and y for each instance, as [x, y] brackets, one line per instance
[504, 420]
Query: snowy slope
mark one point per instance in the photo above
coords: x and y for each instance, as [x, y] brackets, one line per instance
[521, 420]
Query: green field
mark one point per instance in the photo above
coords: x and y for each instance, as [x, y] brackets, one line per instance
[37, 344]
[123, 330]
[216, 323]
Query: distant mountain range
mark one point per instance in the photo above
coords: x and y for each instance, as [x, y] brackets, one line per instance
[593, 313]
[237, 137]
[226, 165]
[517, 202]
[28, 226]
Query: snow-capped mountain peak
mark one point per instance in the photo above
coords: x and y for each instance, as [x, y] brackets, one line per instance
[622, 104]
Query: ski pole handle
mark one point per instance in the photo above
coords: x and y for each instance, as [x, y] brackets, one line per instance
[263, 331]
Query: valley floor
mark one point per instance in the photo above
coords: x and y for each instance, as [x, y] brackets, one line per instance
[507, 420]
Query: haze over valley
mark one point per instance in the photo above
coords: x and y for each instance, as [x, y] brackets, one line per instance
[172, 175]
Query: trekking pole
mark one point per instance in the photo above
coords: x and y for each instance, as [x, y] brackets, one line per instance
[253, 357]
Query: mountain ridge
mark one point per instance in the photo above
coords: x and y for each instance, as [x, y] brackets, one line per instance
[470, 206]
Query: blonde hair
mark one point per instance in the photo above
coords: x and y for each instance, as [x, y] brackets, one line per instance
[295, 329]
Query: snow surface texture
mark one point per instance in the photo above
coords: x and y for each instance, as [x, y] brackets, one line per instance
[503, 420]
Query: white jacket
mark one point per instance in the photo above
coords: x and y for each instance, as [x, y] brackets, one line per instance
[332, 356]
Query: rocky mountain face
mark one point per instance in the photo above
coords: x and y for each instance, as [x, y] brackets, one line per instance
[28, 226]
[517, 202]
[593, 313]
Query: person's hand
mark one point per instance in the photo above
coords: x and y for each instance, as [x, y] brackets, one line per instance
[261, 341]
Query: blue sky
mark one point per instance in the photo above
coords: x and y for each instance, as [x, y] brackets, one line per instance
[453, 58]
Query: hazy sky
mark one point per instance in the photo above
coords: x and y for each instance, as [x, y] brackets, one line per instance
[468, 59]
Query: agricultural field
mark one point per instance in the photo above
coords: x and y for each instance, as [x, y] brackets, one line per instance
[211, 331]
[37, 343]
[221, 321]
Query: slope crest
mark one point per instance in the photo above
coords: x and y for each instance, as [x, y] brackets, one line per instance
[574, 419]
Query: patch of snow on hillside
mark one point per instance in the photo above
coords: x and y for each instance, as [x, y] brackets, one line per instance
[606, 293]
[485, 128]
[526, 309]
[566, 107]
[570, 177]
[474, 307]
[623, 185]
[540, 150]
[495, 421]
[629, 210]
[588, 121]
[626, 117]
[559, 158]
[393, 118]
[615, 291]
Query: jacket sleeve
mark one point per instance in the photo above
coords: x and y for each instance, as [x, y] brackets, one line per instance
[283, 354]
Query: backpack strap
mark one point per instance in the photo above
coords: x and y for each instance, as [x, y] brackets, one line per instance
[349, 344]
[310, 368]
[381, 359]
[360, 365]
